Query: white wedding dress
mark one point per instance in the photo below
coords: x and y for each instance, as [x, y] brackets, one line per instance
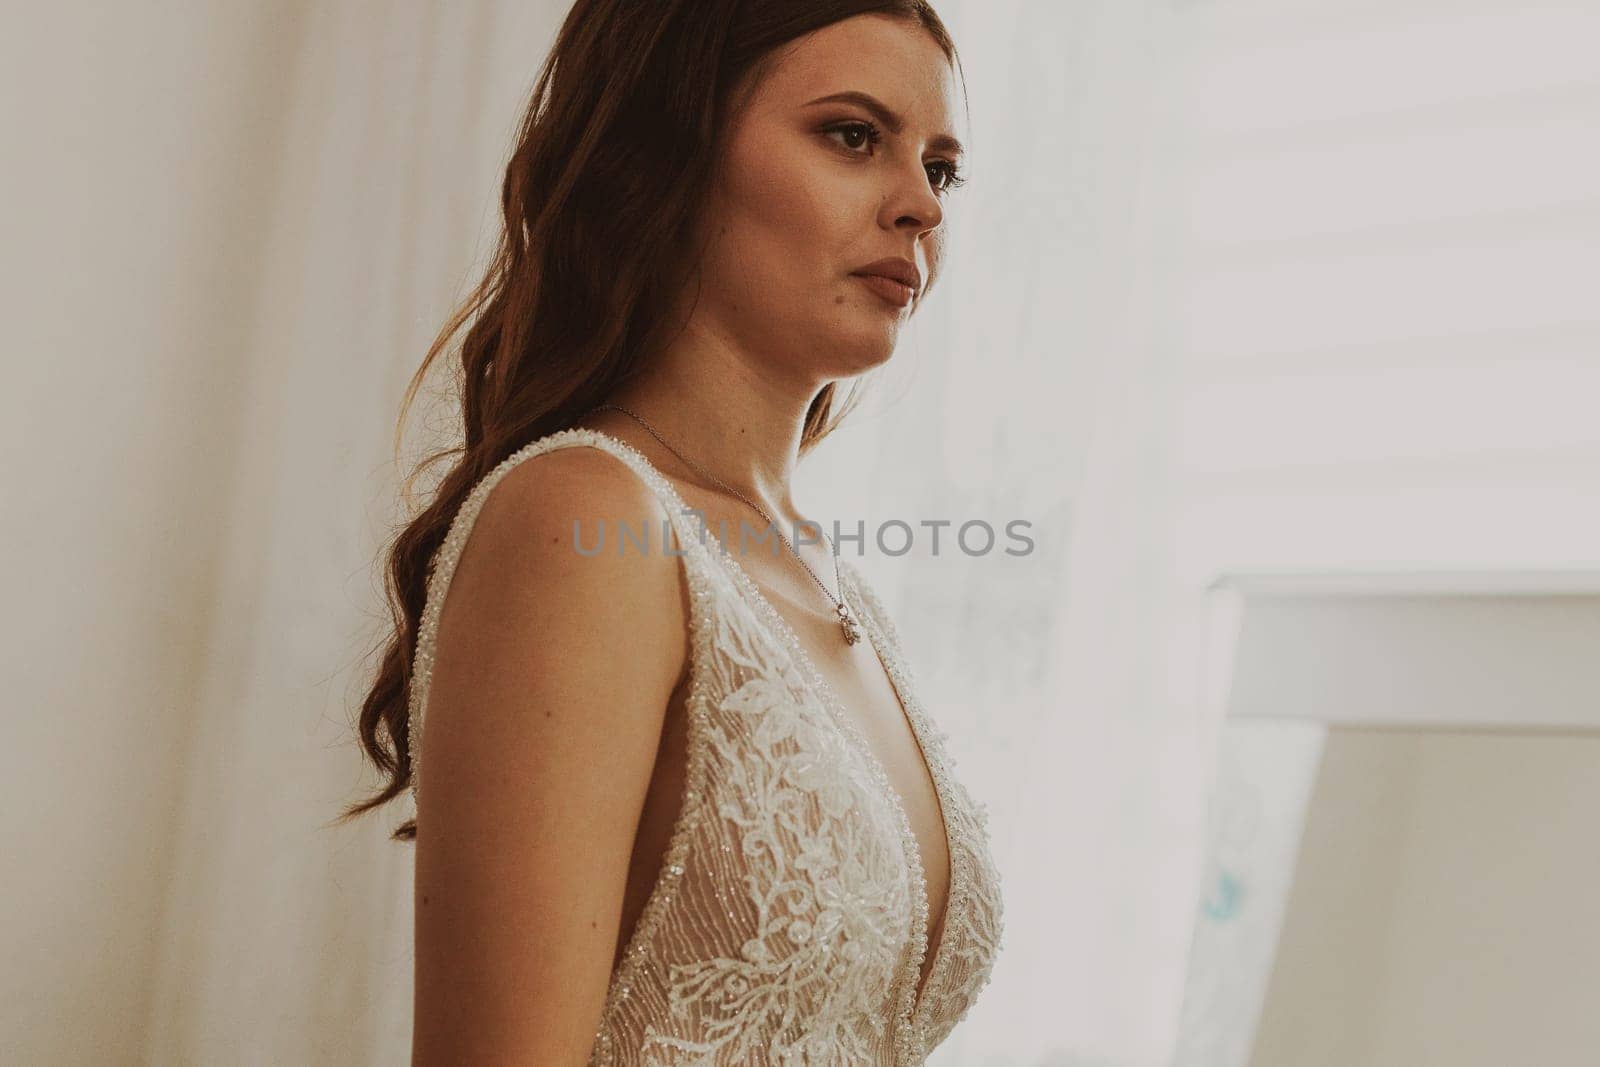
[789, 920]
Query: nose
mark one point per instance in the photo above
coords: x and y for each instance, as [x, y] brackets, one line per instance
[912, 204]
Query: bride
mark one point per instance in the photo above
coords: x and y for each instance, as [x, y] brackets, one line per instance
[682, 804]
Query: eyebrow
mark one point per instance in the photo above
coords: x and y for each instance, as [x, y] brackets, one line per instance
[940, 142]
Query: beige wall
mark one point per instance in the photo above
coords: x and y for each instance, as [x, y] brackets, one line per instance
[231, 230]
[144, 144]
[1383, 310]
[1443, 908]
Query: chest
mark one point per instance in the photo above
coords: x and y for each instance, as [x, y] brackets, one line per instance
[815, 858]
[780, 584]
[868, 695]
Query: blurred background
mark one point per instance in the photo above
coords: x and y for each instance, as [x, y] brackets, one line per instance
[1277, 320]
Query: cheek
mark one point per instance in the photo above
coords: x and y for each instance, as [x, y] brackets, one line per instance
[790, 216]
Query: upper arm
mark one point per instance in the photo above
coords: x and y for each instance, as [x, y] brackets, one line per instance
[551, 676]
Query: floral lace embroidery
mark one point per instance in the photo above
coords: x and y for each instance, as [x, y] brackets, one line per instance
[827, 901]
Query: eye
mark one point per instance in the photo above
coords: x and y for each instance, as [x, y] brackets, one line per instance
[952, 174]
[860, 132]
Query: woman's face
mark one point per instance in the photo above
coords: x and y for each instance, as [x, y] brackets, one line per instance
[812, 190]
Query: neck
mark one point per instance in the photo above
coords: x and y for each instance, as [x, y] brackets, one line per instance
[737, 419]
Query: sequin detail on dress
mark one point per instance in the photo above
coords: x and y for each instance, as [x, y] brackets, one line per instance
[789, 920]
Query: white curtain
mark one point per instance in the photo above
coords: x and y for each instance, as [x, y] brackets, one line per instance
[231, 231]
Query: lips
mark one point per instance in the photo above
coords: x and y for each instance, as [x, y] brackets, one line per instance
[895, 269]
[895, 280]
[889, 289]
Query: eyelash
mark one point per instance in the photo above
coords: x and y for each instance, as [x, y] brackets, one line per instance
[953, 177]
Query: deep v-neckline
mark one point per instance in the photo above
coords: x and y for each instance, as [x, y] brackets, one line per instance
[775, 621]
[804, 660]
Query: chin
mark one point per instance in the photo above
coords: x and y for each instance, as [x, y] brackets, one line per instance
[866, 350]
[853, 343]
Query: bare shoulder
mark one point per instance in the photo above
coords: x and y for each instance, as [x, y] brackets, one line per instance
[551, 678]
[543, 554]
[548, 492]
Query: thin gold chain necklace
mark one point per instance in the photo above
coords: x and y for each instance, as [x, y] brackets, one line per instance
[847, 622]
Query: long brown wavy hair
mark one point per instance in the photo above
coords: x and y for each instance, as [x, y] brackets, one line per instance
[601, 198]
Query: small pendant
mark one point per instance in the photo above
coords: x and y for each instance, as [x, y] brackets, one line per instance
[852, 632]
